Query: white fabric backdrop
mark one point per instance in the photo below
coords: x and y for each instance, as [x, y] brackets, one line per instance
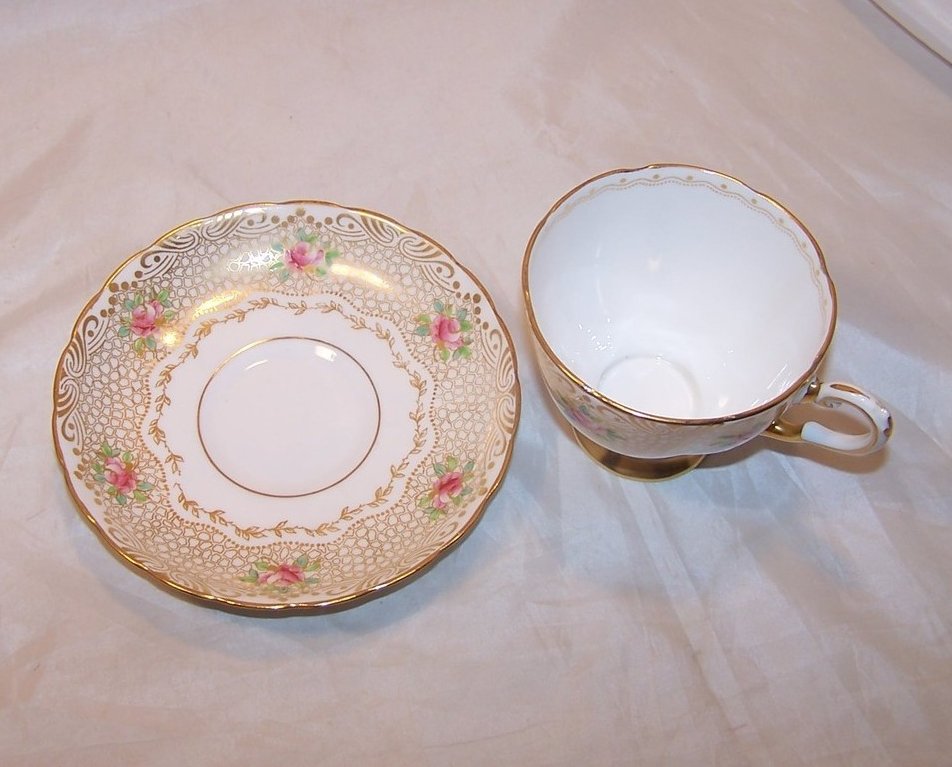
[776, 606]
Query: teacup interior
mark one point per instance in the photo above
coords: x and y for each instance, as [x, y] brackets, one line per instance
[680, 293]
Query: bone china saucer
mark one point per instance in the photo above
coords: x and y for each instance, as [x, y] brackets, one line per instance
[286, 406]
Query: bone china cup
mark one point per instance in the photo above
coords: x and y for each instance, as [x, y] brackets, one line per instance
[676, 313]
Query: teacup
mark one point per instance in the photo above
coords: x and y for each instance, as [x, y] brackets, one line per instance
[676, 313]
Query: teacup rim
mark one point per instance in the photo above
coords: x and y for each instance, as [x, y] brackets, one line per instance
[592, 391]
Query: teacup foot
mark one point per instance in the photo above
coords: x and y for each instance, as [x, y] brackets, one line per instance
[645, 469]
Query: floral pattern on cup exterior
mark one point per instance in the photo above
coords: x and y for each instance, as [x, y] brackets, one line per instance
[448, 328]
[630, 435]
[305, 256]
[584, 417]
[283, 577]
[142, 319]
[449, 488]
[119, 473]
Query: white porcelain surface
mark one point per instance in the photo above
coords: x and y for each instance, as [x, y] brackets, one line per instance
[680, 293]
[259, 434]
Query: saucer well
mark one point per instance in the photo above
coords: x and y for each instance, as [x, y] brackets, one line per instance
[286, 407]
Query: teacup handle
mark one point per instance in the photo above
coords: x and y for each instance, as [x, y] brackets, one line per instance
[833, 395]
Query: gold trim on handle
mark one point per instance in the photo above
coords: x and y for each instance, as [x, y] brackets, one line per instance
[819, 393]
[784, 431]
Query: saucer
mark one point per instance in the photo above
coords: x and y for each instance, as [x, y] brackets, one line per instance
[285, 407]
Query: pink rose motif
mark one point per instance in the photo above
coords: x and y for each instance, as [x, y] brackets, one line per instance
[118, 470]
[447, 329]
[581, 417]
[302, 256]
[446, 488]
[449, 488]
[146, 318]
[305, 256]
[281, 576]
[446, 332]
[120, 475]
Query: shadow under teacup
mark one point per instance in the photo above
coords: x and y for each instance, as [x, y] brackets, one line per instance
[676, 313]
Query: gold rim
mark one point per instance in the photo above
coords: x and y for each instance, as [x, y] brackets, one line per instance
[591, 390]
[303, 608]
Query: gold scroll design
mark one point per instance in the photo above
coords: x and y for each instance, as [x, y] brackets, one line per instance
[435, 266]
[347, 513]
[189, 240]
[498, 352]
[88, 336]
